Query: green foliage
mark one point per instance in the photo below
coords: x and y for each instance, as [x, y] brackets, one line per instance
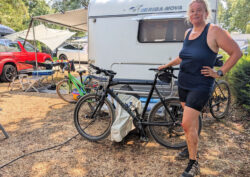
[13, 13]
[248, 28]
[17, 13]
[239, 79]
[65, 5]
[36, 8]
[235, 16]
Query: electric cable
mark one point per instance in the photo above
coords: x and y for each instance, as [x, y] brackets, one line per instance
[41, 150]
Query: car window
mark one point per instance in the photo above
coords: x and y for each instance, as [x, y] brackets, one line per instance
[164, 30]
[2, 48]
[29, 48]
[13, 47]
[69, 47]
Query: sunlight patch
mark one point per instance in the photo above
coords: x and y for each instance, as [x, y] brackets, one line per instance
[40, 169]
[150, 144]
[77, 172]
[208, 171]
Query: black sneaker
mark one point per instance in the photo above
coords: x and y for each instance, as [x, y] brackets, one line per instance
[183, 155]
[194, 170]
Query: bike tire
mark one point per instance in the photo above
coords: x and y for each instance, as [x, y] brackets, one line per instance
[65, 91]
[102, 121]
[169, 136]
[219, 103]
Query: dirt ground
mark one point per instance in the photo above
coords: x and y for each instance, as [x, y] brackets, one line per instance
[36, 121]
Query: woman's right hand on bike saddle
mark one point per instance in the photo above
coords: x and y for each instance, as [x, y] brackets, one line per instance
[161, 67]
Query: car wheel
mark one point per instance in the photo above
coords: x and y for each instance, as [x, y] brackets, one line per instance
[9, 72]
[47, 60]
[63, 57]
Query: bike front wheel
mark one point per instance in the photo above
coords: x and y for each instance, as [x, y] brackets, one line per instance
[65, 90]
[92, 126]
[219, 103]
[171, 135]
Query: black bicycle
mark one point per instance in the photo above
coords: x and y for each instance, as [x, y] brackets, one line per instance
[220, 99]
[94, 113]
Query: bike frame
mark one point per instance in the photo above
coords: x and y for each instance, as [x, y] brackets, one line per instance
[141, 118]
[77, 83]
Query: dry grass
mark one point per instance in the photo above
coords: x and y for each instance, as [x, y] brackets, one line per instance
[37, 120]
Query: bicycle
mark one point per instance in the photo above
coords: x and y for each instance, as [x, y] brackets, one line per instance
[71, 85]
[94, 113]
[220, 99]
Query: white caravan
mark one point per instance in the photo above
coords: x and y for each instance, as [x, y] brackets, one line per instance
[130, 36]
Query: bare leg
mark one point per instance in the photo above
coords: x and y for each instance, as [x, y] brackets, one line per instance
[190, 123]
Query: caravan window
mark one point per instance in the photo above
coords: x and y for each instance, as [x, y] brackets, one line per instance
[164, 30]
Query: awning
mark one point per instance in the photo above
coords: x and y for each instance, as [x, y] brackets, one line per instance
[51, 37]
[74, 19]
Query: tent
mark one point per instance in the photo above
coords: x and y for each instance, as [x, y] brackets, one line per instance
[51, 37]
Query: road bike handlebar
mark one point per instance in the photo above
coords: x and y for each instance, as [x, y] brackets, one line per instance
[170, 70]
[105, 71]
[165, 69]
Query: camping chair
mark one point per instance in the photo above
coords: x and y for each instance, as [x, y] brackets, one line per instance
[35, 81]
[29, 80]
[21, 80]
[4, 132]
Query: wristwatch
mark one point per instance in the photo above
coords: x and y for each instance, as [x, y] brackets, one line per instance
[220, 73]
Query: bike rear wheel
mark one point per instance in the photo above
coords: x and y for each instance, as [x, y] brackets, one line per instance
[65, 90]
[97, 127]
[219, 103]
[171, 136]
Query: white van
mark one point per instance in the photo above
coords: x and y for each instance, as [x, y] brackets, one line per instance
[130, 36]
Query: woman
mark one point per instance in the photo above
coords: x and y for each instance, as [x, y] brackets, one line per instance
[196, 76]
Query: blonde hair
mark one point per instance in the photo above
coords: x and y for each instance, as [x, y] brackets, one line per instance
[205, 5]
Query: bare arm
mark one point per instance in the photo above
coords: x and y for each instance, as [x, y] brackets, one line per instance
[225, 42]
[174, 62]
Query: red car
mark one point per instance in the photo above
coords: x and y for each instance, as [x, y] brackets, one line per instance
[13, 56]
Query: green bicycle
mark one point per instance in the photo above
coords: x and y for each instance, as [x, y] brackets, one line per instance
[71, 89]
